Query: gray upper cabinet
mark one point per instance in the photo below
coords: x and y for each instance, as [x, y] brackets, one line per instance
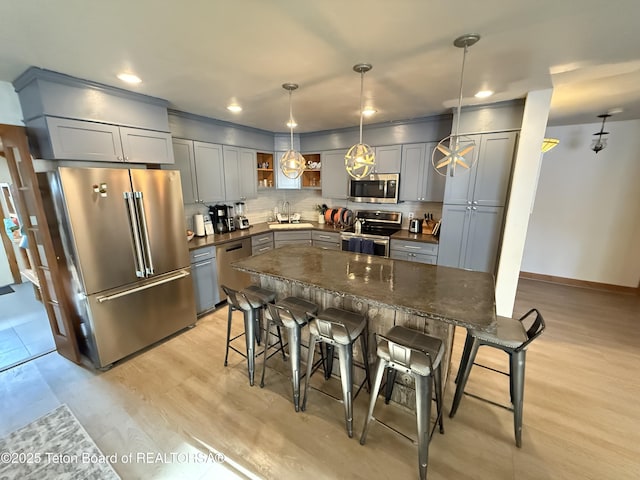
[201, 172]
[487, 183]
[418, 180]
[99, 142]
[282, 181]
[74, 119]
[209, 172]
[248, 173]
[146, 146]
[240, 175]
[388, 159]
[335, 179]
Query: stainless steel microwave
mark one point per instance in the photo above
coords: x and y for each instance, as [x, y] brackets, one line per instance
[376, 188]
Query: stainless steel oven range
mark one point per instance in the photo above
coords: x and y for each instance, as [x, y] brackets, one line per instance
[376, 229]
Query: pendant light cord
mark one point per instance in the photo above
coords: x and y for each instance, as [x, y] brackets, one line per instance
[464, 57]
[290, 119]
[361, 104]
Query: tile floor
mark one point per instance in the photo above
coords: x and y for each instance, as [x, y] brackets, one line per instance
[24, 327]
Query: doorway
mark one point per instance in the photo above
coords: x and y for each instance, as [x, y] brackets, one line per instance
[25, 332]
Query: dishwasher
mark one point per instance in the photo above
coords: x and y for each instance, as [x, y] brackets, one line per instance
[226, 254]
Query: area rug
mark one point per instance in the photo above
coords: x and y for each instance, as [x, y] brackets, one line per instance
[53, 446]
[6, 289]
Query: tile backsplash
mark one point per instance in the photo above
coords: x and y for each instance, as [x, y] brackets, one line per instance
[261, 209]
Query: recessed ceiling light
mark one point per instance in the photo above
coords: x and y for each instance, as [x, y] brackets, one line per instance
[292, 124]
[235, 108]
[129, 77]
[368, 111]
[484, 93]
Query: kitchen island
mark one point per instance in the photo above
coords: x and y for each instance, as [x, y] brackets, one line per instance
[428, 298]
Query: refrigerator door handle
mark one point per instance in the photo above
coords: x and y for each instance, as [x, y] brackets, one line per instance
[177, 276]
[135, 233]
[146, 244]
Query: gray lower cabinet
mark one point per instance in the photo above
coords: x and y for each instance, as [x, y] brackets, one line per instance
[201, 170]
[240, 174]
[418, 180]
[329, 240]
[470, 237]
[335, 179]
[261, 243]
[292, 237]
[205, 278]
[99, 142]
[421, 252]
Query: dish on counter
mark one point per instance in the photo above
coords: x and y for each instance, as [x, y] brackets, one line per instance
[190, 235]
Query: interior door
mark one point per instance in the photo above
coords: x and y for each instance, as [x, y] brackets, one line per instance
[99, 226]
[164, 218]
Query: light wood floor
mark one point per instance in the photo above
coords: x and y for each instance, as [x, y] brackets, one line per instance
[581, 415]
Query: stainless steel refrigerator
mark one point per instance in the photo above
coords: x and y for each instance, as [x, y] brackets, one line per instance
[120, 237]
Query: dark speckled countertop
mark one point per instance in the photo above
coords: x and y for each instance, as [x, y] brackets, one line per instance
[451, 295]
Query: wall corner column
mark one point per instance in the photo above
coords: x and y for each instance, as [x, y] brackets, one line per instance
[523, 190]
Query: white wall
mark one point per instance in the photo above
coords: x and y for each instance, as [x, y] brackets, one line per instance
[585, 223]
[10, 111]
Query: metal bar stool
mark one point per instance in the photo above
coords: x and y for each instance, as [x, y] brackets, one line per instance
[250, 301]
[339, 329]
[419, 355]
[292, 313]
[513, 337]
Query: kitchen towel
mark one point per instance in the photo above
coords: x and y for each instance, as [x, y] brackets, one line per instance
[367, 247]
[355, 245]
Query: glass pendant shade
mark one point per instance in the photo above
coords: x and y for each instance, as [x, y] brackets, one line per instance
[292, 163]
[600, 143]
[454, 153]
[360, 159]
[549, 143]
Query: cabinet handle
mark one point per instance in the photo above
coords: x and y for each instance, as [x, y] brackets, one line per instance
[264, 248]
[412, 248]
[120, 158]
[201, 254]
[475, 202]
[201, 264]
[474, 208]
[126, 158]
[468, 202]
[324, 236]
[468, 208]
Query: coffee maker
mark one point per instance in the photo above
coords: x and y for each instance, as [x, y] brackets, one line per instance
[222, 221]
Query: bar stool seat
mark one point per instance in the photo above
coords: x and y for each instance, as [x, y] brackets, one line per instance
[419, 355]
[339, 329]
[292, 313]
[251, 302]
[512, 337]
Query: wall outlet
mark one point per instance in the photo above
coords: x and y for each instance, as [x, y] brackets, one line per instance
[410, 215]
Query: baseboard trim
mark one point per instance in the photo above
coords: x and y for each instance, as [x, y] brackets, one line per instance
[580, 283]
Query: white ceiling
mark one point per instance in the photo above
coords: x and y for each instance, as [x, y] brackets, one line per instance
[201, 55]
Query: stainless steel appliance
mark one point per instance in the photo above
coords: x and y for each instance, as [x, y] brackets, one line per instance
[376, 228]
[415, 225]
[241, 220]
[376, 188]
[120, 238]
[226, 254]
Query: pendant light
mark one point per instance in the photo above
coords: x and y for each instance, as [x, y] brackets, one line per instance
[449, 154]
[600, 143]
[292, 162]
[360, 159]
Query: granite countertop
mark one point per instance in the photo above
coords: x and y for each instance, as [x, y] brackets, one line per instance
[258, 228]
[451, 295]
